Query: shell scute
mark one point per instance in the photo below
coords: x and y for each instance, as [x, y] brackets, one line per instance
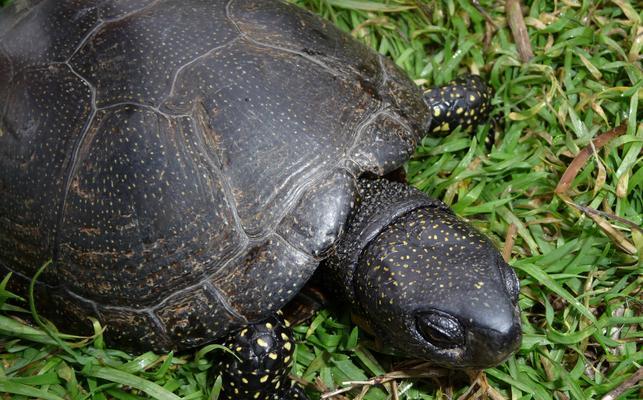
[318, 219]
[50, 32]
[135, 329]
[146, 212]
[135, 59]
[196, 315]
[39, 133]
[309, 36]
[264, 279]
[384, 145]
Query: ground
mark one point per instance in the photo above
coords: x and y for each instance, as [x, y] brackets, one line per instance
[559, 190]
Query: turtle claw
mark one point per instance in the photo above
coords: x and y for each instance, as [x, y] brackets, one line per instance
[294, 393]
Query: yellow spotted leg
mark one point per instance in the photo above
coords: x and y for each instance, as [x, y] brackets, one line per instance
[463, 102]
[264, 356]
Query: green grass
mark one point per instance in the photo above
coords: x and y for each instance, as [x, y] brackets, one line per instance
[580, 270]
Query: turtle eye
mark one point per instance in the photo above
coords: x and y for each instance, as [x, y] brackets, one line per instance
[440, 329]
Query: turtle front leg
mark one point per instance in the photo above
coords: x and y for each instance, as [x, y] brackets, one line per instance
[464, 102]
[265, 353]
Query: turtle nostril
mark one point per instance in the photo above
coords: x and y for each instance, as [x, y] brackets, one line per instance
[494, 346]
[440, 329]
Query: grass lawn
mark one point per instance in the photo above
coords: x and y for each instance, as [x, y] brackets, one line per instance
[560, 191]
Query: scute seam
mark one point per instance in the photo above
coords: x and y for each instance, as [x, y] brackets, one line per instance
[102, 23]
[143, 106]
[73, 161]
[197, 115]
[161, 329]
[5, 101]
[312, 183]
[83, 299]
[21, 17]
[280, 238]
[362, 127]
[385, 75]
[216, 293]
[28, 278]
[189, 63]
[314, 60]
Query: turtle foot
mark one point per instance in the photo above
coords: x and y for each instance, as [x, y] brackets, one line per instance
[260, 363]
[463, 102]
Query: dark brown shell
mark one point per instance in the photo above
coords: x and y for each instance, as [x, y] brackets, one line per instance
[185, 163]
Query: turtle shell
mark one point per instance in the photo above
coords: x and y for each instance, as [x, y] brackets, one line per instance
[186, 164]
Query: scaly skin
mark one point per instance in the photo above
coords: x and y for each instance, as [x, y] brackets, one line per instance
[407, 261]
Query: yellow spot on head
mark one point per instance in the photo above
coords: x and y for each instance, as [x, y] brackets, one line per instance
[436, 111]
[262, 342]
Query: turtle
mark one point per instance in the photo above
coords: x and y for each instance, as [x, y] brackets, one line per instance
[187, 166]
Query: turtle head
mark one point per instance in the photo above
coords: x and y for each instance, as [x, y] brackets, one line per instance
[431, 286]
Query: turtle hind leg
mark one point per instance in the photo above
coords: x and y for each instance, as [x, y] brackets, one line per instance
[464, 102]
[264, 354]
